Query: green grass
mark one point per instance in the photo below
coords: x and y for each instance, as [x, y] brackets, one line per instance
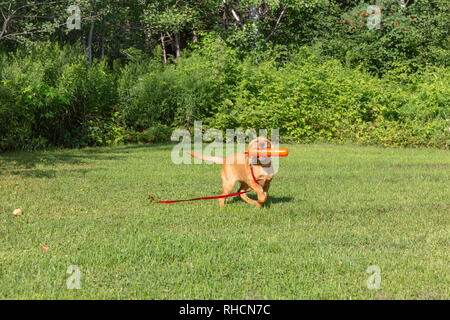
[334, 211]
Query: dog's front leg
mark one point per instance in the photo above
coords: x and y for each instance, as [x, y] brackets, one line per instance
[262, 196]
[266, 188]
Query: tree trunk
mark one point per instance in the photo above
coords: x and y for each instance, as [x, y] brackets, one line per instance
[61, 35]
[177, 44]
[163, 47]
[148, 41]
[102, 39]
[83, 41]
[91, 33]
[254, 15]
[195, 37]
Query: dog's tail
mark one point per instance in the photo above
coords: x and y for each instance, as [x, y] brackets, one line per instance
[217, 160]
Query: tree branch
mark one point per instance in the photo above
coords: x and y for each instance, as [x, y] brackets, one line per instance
[276, 24]
[11, 13]
[235, 15]
[11, 35]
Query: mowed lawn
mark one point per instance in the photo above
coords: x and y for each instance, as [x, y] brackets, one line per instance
[334, 211]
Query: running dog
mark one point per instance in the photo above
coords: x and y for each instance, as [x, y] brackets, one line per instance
[252, 172]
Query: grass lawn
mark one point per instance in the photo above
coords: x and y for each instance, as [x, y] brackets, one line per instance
[334, 211]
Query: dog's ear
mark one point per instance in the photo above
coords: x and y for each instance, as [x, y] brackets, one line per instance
[263, 143]
[253, 144]
[253, 160]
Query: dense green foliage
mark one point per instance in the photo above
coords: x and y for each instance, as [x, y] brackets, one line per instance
[312, 69]
[53, 98]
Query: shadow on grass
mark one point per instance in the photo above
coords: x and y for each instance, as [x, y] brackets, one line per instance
[280, 199]
[271, 200]
[51, 173]
[29, 160]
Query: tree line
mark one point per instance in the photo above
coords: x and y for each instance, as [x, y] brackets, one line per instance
[103, 72]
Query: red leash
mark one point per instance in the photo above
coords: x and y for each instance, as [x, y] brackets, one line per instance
[206, 198]
[202, 198]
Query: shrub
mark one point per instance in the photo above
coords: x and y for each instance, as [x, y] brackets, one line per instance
[46, 95]
[415, 35]
[155, 134]
[50, 97]
[310, 99]
[177, 94]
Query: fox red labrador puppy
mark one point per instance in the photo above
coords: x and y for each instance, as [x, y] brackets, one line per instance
[252, 172]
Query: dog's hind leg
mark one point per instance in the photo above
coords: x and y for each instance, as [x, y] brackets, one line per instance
[227, 187]
[244, 197]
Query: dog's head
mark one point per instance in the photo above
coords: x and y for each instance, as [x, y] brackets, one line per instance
[260, 143]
